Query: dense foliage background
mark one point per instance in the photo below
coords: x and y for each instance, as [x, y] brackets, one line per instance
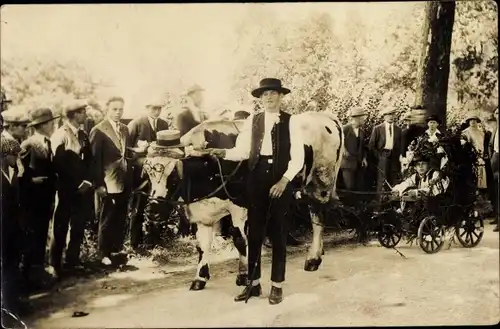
[330, 60]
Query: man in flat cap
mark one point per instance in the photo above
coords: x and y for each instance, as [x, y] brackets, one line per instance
[15, 123]
[385, 143]
[38, 186]
[354, 159]
[142, 131]
[72, 162]
[273, 144]
[109, 142]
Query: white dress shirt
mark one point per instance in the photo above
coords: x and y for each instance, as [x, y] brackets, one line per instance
[241, 151]
[153, 122]
[356, 131]
[389, 136]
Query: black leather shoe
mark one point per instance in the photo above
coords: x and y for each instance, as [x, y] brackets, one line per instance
[276, 295]
[255, 291]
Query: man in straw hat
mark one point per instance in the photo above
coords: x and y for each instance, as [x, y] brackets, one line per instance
[354, 159]
[72, 162]
[109, 142]
[38, 186]
[273, 144]
[142, 131]
[385, 143]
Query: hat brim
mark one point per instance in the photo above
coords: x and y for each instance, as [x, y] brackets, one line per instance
[39, 122]
[259, 91]
[473, 118]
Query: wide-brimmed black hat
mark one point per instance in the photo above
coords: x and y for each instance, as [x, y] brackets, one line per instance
[269, 84]
[433, 117]
[40, 116]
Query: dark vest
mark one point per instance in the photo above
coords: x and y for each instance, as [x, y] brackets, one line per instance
[280, 137]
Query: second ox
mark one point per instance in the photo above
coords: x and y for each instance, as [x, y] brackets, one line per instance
[211, 189]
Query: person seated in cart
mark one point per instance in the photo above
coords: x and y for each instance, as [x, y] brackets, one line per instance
[425, 182]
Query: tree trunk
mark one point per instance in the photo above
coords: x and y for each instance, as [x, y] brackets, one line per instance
[434, 67]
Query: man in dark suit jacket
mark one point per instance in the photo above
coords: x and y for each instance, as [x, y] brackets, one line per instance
[72, 162]
[354, 158]
[109, 141]
[39, 190]
[415, 129]
[11, 228]
[142, 129]
[385, 143]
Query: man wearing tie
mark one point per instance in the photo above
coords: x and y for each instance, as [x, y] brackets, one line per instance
[109, 141]
[142, 130]
[38, 186]
[354, 159]
[72, 163]
[273, 144]
[385, 143]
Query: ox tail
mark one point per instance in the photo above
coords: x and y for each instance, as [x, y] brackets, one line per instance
[340, 155]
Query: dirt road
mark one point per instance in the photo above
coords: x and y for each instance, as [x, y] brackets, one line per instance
[355, 285]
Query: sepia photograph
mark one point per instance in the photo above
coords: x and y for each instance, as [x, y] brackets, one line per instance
[285, 164]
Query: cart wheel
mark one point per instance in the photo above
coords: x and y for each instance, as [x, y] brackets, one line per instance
[430, 235]
[470, 230]
[389, 236]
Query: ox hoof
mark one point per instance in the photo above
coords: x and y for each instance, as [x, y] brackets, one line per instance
[198, 285]
[312, 265]
[242, 280]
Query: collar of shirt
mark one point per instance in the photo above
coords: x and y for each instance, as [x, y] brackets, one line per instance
[387, 124]
[115, 126]
[73, 129]
[40, 137]
[152, 121]
[7, 134]
[272, 117]
[428, 132]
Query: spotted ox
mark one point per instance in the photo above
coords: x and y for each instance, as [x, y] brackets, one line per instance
[324, 141]
[194, 178]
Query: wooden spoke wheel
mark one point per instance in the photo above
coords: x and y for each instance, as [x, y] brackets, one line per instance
[470, 230]
[389, 236]
[430, 235]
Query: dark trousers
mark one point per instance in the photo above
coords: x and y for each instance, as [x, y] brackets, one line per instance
[73, 210]
[388, 170]
[353, 178]
[260, 204]
[38, 215]
[112, 223]
[11, 235]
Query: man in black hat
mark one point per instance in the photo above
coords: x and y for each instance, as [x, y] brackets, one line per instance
[73, 163]
[38, 186]
[273, 144]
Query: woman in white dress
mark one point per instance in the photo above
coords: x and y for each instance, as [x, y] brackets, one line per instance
[474, 135]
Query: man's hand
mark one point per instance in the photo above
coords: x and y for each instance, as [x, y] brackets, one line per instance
[84, 187]
[101, 191]
[219, 153]
[364, 163]
[39, 180]
[277, 189]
